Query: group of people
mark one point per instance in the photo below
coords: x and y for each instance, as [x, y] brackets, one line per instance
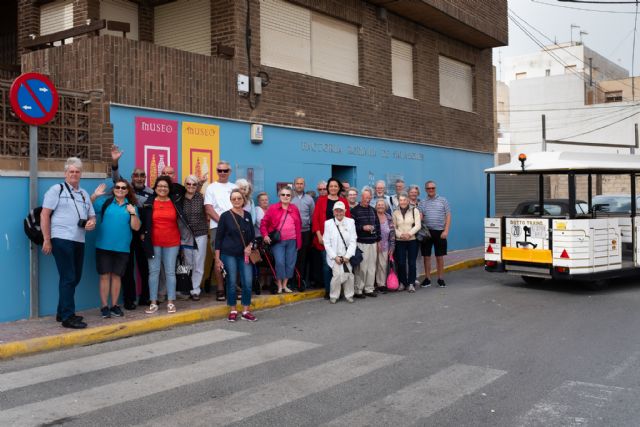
[335, 240]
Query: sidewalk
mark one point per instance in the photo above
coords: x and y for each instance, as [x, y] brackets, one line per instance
[45, 334]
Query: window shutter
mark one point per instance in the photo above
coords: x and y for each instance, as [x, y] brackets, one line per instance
[401, 68]
[456, 84]
[56, 16]
[184, 25]
[285, 36]
[334, 49]
[122, 11]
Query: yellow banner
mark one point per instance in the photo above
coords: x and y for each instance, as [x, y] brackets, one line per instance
[200, 150]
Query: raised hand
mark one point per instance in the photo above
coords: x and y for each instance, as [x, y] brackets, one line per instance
[100, 190]
[116, 153]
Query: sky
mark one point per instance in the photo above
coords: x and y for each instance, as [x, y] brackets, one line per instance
[610, 29]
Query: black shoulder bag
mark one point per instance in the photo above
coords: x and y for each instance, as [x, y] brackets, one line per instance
[275, 234]
[357, 258]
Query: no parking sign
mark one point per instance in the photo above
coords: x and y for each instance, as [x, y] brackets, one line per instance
[34, 98]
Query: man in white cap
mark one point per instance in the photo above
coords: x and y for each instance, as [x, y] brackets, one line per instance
[339, 240]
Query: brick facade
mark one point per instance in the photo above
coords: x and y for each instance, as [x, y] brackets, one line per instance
[140, 73]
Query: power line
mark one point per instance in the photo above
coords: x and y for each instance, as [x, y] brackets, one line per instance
[581, 8]
[586, 108]
[599, 128]
[598, 2]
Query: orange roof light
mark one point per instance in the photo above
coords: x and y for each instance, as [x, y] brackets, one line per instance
[522, 158]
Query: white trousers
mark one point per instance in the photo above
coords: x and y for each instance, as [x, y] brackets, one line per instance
[195, 258]
[341, 279]
[366, 271]
[382, 266]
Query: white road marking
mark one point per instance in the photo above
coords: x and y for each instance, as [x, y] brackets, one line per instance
[574, 403]
[83, 365]
[422, 398]
[264, 397]
[75, 404]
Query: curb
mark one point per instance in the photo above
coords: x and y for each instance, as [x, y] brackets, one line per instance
[152, 324]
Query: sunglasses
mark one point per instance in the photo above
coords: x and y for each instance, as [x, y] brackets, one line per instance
[140, 175]
[431, 188]
[191, 184]
[120, 187]
[222, 170]
[285, 195]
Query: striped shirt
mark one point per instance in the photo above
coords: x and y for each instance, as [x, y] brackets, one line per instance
[434, 211]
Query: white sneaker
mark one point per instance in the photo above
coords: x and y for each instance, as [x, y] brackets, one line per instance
[401, 288]
[411, 288]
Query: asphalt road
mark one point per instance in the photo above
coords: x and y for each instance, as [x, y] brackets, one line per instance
[486, 351]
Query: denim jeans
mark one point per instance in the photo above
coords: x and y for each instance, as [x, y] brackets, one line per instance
[285, 253]
[233, 265]
[167, 257]
[327, 274]
[406, 252]
[69, 256]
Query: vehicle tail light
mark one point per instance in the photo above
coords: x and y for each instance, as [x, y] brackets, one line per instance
[564, 254]
[490, 263]
[492, 239]
[562, 269]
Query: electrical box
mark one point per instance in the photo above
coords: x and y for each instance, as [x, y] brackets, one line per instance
[243, 84]
[256, 133]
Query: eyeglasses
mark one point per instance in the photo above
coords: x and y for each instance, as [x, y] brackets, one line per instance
[162, 186]
[285, 195]
[191, 184]
[140, 175]
[120, 187]
[236, 198]
[222, 170]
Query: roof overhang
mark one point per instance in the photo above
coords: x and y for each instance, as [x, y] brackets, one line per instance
[565, 162]
[437, 19]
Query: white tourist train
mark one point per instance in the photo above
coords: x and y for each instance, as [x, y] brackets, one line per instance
[592, 243]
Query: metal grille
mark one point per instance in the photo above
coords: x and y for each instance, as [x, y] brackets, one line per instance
[67, 135]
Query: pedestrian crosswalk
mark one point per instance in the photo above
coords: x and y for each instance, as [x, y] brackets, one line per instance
[412, 403]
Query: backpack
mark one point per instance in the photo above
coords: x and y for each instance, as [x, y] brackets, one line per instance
[32, 226]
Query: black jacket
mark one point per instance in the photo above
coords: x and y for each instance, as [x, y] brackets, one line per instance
[186, 233]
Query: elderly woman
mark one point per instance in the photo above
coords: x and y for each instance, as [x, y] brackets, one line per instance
[406, 221]
[233, 243]
[340, 245]
[194, 246]
[386, 245]
[119, 216]
[247, 190]
[283, 218]
[413, 193]
[322, 212]
[162, 220]
[261, 210]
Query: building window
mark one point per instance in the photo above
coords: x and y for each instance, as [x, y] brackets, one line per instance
[401, 68]
[56, 16]
[521, 75]
[570, 69]
[547, 72]
[296, 39]
[456, 84]
[184, 25]
[613, 96]
[121, 11]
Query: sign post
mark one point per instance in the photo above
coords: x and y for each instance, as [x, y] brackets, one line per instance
[34, 99]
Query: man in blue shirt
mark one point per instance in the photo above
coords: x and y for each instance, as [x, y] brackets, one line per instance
[437, 217]
[66, 216]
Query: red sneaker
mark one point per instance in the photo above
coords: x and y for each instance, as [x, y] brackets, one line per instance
[248, 316]
[232, 316]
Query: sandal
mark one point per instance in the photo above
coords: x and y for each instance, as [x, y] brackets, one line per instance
[152, 309]
[220, 296]
[287, 290]
[171, 308]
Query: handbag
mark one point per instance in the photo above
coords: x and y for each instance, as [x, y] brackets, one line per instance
[392, 278]
[254, 256]
[357, 258]
[423, 234]
[183, 275]
[274, 236]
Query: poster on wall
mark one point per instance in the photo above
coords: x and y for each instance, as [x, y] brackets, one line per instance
[156, 145]
[200, 151]
[252, 173]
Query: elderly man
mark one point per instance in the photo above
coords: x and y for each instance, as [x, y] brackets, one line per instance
[368, 230]
[64, 235]
[136, 254]
[339, 240]
[437, 217]
[381, 193]
[322, 188]
[305, 205]
[393, 200]
[216, 202]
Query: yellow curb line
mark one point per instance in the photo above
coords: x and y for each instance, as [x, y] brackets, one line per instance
[142, 326]
[157, 323]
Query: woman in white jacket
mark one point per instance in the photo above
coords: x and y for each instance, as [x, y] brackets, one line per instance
[340, 244]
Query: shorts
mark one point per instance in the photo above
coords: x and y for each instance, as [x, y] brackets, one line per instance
[439, 244]
[111, 262]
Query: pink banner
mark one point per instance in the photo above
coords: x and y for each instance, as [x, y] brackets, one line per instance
[156, 146]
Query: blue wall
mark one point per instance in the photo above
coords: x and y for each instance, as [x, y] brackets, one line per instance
[284, 154]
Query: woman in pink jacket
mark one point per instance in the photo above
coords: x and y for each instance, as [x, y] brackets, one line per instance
[280, 228]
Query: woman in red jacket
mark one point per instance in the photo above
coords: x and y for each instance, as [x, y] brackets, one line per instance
[283, 218]
[322, 212]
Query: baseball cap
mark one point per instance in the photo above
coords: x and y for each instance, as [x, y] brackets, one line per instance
[338, 205]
